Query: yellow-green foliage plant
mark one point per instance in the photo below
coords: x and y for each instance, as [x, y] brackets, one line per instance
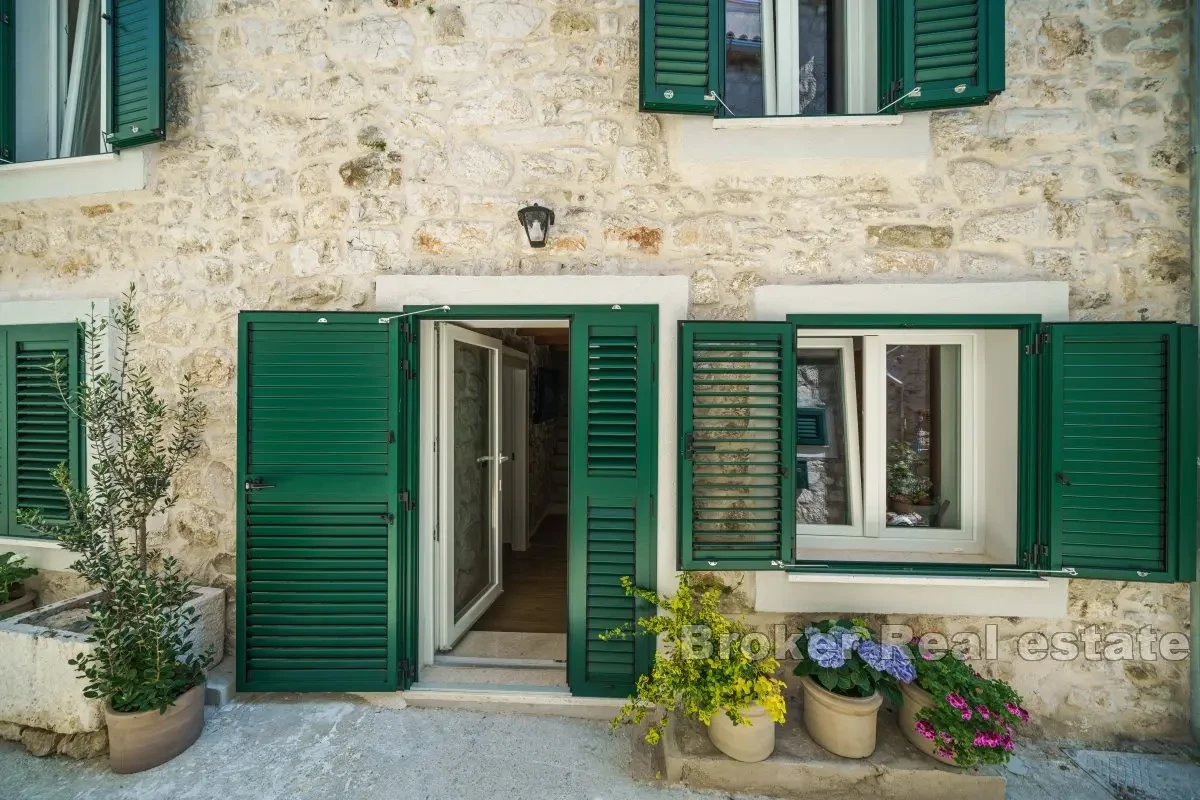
[705, 667]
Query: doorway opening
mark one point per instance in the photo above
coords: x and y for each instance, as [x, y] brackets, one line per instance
[500, 536]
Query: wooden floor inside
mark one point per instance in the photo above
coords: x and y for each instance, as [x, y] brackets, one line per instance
[535, 585]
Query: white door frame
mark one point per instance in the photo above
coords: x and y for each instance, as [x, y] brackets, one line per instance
[518, 421]
[450, 630]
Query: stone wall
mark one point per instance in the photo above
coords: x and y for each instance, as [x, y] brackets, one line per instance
[317, 145]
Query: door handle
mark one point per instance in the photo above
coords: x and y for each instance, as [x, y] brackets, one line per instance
[255, 484]
[485, 459]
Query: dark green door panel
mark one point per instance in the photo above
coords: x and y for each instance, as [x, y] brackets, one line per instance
[737, 429]
[613, 478]
[1121, 408]
[318, 558]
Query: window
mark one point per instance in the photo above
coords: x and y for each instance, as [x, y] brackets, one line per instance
[754, 58]
[75, 83]
[36, 431]
[970, 445]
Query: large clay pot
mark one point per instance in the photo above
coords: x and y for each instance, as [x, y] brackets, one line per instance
[916, 699]
[20, 601]
[845, 726]
[139, 740]
[753, 742]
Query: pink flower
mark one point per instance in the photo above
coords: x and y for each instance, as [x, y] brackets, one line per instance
[956, 700]
[966, 715]
[1017, 711]
[1007, 743]
[983, 712]
[928, 656]
[925, 729]
[945, 737]
[944, 752]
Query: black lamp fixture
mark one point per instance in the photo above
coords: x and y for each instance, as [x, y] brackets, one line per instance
[537, 221]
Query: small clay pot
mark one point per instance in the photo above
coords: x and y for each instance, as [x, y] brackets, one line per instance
[845, 726]
[139, 740]
[916, 700]
[749, 743]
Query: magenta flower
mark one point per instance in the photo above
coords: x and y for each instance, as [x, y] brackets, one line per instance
[966, 715]
[945, 737]
[1017, 711]
[983, 712]
[928, 656]
[1007, 743]
[944, 752]
[956, 700]
[925, 729]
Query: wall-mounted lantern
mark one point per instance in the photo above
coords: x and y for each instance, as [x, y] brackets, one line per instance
[537, 221]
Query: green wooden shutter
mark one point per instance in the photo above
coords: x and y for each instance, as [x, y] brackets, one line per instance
[8, 83]
[318, 585]
[1121, 493]
[41, 433]
[737, 427]
[137, 76]
[613, 458]
[952, 49]
[682, 55]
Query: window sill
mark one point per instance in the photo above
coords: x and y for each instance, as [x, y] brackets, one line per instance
[73, 177]
[935, 595]
[39, 553]
[800, 123]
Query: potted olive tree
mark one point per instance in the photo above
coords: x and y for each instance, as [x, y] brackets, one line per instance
[142, 666]
[708, 670]
[14, 597]
[909, 493]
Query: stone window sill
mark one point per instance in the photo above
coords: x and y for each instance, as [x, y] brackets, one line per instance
[803, 123]
[73, 177]
[39, 553]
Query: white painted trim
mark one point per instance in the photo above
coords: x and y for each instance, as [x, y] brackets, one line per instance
[801, 123]
[861, 66]
[75, 177]
[669, 293]
[780, 592]
[41, 553]
[1048, 298]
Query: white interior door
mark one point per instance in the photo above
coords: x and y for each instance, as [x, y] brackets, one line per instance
[513, 499]
[467, 540]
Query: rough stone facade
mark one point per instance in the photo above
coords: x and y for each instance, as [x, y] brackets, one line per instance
[317, 144]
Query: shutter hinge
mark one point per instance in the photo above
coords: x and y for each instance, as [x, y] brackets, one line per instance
[391, 437]
[406, 671]
[389, 517]
[6, 19]
[406, 332]
[406, 502]
[1040, 341]
[406, 370]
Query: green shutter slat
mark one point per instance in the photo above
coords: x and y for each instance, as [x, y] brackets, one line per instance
[137, 72]
[680, 52]
[613, 452]
[735, 508]
[1118, 450]
[317, 565]
[953, 51]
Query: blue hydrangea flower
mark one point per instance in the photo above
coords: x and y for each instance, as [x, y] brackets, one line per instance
[871, 653]
[825, 650]
[848, 639]
[811, 631]
[897, 663]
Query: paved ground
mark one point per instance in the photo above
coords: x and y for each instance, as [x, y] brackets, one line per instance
[339, 748]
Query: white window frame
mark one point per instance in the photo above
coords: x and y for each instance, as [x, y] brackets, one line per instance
[873, 533]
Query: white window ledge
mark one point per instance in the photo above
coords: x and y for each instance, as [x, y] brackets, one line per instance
[800, 123]
[794, 593]
[74, 177]
[39, 553]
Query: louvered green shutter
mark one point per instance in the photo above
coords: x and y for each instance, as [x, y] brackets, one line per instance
[137, 77]
[737, 427]
[613, 453]
[318, 463]
[1121, 399]
[8, 83]
[682, 54]
[40, 433]
[952, 49]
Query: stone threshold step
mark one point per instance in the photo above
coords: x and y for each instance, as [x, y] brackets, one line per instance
[801, 768]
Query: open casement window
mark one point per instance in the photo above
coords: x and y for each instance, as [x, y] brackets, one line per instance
[1120, 469]
[80, 77]
[756, 58]
[939, 445]
[37, 433]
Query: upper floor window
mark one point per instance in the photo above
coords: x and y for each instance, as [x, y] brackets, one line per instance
[77, 78]
[756, 58]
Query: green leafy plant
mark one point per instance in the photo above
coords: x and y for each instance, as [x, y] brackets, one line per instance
[845, 658]
[903, 482]
[973, 718]
[12, 572]
[143, 658]
[708, 667]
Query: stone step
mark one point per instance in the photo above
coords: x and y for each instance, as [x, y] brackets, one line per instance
[801, 768]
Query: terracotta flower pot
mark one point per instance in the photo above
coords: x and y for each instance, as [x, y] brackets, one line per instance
[139, 740]
[753, 742]
[20, 601]
[845, 726]
[916, 699]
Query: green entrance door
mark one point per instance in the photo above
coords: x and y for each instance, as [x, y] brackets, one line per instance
[319, 566]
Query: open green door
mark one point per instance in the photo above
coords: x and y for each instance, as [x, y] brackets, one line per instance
[320, 570]
[614, 475]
